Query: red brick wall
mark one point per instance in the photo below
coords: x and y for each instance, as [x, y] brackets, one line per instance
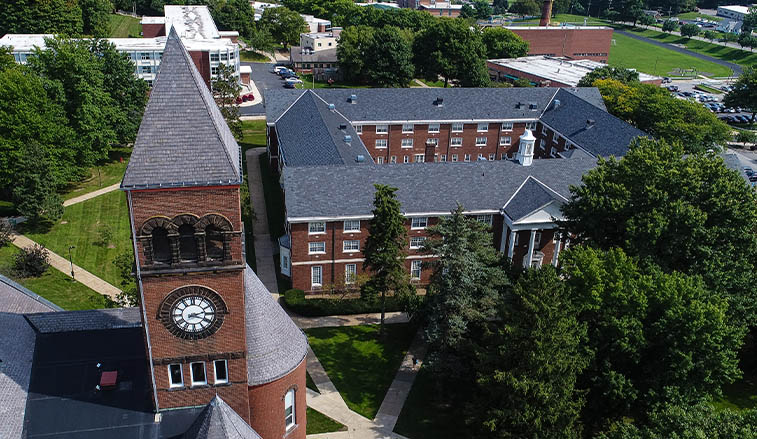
[545, 246]
[267, 406]
[202, 62]
[153, 30]
[546, 142]
[573, 43]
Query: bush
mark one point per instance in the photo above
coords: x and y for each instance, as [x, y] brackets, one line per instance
[296, 302]
[31, 261]
[104, 234]
[5, 233]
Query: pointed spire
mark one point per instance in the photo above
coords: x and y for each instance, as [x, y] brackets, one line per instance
[219, 421]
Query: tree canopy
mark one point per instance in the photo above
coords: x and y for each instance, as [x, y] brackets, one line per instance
[390, 63]
[41, 17]
[503, 43]
[354, 43]
[744, 93]
[451, 49]
[625, 76]
[284, 25]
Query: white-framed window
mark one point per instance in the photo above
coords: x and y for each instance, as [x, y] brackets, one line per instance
[466, 158]
[486, 219]
[145, 56]
[417, 241]
[531, 125]
[289, 415]
[214, 57]
[433, 128]
[456, 142]
[224, 56]
[316, 248]
[352, 226]
[221, 372]
[454, 157]
[350, 273]
[505, 141]
[433, 141]
[316, 275]
[418, 158]
[543, 130]
[382, 129]
[380, 160]
[443, 158]
[553, 151]
[393, 159]
[175, 375]
[457, 127]
[491, 157]
[480, 141]
[556, 138]
[407, 143]
[436, 157]
[145, 69]
[198, 373]
[316, 227]
[214, 71]
[359, 129]
[408, 128]
[381, 143]
[415, 269]
[481, 157]
[419, 222]
[482, 127]
[351, 246]
[507, 126]
[405, 159]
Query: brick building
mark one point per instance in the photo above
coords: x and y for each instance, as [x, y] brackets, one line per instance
[575, 42]
[330, 146]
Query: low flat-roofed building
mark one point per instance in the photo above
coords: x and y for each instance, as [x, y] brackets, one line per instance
[736, 12]
[577, 42]
[547, 71]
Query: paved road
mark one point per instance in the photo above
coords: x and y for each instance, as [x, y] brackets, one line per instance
[264, 80]
[737, 69]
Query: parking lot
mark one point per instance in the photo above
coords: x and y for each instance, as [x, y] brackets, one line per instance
[711, 101]
[264, 80]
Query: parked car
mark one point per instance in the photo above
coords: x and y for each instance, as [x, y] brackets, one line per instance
[294, 80]
[278, 69]
[289, 85]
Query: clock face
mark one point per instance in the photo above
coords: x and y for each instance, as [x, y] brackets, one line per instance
[192, 312]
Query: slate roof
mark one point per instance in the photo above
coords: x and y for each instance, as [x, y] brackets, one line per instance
[309, 134]
[609, 136]
[219, 421]
[530, 197]
[423, 188]
[85, 320]
[326, 55]
[275, 345]
[183, 139]
[17, 341]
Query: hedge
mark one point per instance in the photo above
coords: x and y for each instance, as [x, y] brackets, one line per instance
[295, 300]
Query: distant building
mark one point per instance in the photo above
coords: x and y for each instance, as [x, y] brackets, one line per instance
[734, 12]
[547, 71]
[433, 7]
[208, 47]
[316, 54]
[315, 24]
[576, 42]
[731, 26]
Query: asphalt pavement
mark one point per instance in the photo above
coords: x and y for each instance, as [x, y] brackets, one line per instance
[264, 80]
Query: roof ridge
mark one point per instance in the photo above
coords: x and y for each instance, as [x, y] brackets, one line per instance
[290, 106]
[29, 293]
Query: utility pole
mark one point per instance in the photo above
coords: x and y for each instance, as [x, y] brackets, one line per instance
[71, 260]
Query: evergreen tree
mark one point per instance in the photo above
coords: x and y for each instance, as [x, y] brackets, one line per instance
[225, 92]
[34, 193]
[385, 247]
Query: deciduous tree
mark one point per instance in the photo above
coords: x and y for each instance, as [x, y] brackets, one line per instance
[226, 88]
[669, 26]
[689, 30]
[525, 8]
[96, 17]
[744, 93]
[451, 49]
[503, 43]
[34, 193]
[41, 17]
[390, 63]
[284, 25]
[353, 52]
[617, 73]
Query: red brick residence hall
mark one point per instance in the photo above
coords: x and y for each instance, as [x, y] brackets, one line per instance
[438, 147]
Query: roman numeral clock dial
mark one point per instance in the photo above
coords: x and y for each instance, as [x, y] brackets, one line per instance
[192, 312]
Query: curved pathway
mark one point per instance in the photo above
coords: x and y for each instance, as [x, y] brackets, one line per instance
[737, 69]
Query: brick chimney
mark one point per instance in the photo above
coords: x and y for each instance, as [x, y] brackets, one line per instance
[546, 13]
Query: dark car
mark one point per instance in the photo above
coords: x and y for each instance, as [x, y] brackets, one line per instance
[753, 177]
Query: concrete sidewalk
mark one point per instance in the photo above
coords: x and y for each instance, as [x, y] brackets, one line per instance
[348, 320]
[91, 195]
[264, 245]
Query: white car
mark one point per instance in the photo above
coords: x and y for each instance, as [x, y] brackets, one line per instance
[278, 69]
[293, 80]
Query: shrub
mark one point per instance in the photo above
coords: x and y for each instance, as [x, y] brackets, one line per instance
[5, 233]
[104, 234]
[296, 302]
[31, 261]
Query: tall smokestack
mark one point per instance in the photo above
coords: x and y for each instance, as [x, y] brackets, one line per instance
[546, 13]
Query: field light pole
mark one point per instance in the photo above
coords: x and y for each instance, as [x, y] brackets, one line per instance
[71, 260]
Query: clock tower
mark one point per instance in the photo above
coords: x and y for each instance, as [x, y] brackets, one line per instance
[182, 186]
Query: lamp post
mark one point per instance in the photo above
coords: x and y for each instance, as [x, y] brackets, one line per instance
[71, 260]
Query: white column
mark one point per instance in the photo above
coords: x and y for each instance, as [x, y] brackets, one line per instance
[511, 244]
[557, 251]
[530, 255]
[503, 237]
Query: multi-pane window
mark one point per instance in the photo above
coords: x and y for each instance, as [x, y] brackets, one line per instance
[224, 56]
[407, 128]
[486, 219]
[393, 159]
[175, 376]
[214, 71]
[457, 127]
[352, 226]
[480, 141]
[380, 143]
[144, 56]
[351, 246]
[491, 157]
[433, 128]
[198, 373]
[454, 157]
[316, 275]
[221, 370]
[481, 157]
[415, 269]
[406, 159]
[467, 157]
[505, 141]
[145, 69]
[359, 129]
[315, 248]
[407, 143]
[417, 241]
[432, 141]
[531, 126]
[317, 227]
[543, 130]
[504, 156]
[419, 222]
[289, 415]
[507, 126]
[382, 129]
[214, 57]
[380, 160]
[456, 142]
[553, 151]
[443, 158]
[418, 158]
[350, 273]
[483, 127]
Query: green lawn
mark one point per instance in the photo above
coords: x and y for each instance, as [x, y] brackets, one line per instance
[79, 227]
[105, 174]
[360, 363]
[253, 134]
[319, 423]
[54, 285]
[695, 15]
[631, 53]
[439, 83]
[274, 202]
[742, 394]
[122, 26]
[307, 82]
[250, 56]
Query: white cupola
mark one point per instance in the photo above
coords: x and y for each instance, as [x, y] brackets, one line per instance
[525, 154]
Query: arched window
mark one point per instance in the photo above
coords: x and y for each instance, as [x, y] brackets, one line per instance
[213, 243]
[187, 243]
[161, 246]
[289, 415]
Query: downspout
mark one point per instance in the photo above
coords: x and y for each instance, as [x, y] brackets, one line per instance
[333, 251]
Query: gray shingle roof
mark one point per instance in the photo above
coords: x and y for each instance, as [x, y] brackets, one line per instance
[85, 320]
[275, 345]
[309, 134]
[17, 341]
[183, 139]
[530, 197]
[219, 421]
[422, 187]
[609, 136]
[326, 55]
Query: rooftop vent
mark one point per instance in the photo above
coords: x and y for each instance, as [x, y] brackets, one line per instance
[360, 158]
[555, 103]
[347, 138]
[589, 123]
[532, 105]
[439, 102]
[342, 126]
[332, 107]
[353, 99]
[519, 105]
